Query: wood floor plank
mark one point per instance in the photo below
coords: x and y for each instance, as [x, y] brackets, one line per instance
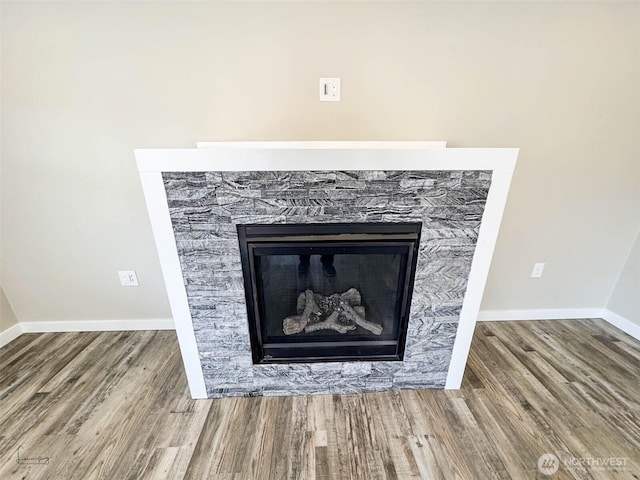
[336, 466]
[515, 453]
[582, 358]
[453, 459]
[300, 439]
[125, 417]
[484, 462]
[278, 467]
[23, 380]
[500, 379]
[203, 462]
[425, 459]
[387, 440]
[115, 405]
[259, 455]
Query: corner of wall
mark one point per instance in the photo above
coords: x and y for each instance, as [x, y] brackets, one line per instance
[9, 326]
[626, 325]
[624, 302]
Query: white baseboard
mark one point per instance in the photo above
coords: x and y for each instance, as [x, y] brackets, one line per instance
[10, 334]
[97, 325]
[539, 314]
[624, 324]
[84, 326]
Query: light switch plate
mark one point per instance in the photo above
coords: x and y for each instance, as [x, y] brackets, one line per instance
[538, 268]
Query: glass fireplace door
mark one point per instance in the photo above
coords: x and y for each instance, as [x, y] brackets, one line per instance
[325, 296]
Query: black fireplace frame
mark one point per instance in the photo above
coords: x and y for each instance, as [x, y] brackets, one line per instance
[267, 239]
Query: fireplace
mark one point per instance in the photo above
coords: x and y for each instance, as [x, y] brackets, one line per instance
[328, 292]
[197, 199]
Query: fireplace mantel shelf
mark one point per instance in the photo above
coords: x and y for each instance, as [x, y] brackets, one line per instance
[470, 179]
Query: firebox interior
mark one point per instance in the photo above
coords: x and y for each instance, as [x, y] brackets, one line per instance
[332, 292]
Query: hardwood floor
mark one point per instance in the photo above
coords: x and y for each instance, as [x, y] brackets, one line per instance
[115, 405]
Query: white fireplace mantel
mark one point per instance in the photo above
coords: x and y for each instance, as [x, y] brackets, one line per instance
[322, 156]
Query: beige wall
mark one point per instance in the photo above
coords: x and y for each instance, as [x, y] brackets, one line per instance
[83, 84]
[625, 299]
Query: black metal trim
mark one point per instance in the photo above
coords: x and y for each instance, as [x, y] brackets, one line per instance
[403, 238]
[278, 230]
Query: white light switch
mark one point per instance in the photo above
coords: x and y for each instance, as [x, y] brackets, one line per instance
[538, 268]
[330, 89]
[128, 278]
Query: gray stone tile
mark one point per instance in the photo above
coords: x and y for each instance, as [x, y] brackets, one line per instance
[205, 208]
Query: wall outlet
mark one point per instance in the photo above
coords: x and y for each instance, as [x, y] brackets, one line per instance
[330, 89]
[538, 268]
[128, 278]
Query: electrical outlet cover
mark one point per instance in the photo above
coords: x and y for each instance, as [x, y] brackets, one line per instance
[128, 278]
[329, 89]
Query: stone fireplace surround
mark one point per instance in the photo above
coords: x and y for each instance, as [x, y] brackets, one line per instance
[196, 197]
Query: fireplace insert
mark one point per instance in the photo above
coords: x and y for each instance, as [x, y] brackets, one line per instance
[328, 292]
